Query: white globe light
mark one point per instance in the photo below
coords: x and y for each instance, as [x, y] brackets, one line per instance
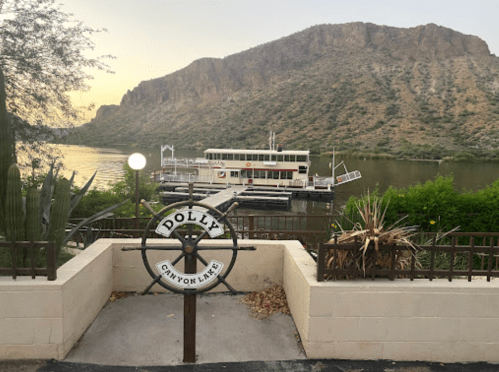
[137, 161]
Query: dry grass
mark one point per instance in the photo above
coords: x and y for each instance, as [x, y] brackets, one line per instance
[371, 233]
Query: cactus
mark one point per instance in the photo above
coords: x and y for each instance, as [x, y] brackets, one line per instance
[47, 211]
[33, 222]
[59, 213]
[14, 219]
[7, 149]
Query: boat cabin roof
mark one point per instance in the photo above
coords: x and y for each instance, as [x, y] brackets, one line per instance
[239, 151]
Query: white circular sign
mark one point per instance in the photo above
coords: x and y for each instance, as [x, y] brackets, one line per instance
[189, 281]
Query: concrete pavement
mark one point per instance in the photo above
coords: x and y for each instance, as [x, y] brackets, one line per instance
[148, 331]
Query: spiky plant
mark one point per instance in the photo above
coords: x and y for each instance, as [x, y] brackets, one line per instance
[370, 232]
[47, 211]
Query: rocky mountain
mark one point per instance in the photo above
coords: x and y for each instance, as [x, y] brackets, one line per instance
[352, 86]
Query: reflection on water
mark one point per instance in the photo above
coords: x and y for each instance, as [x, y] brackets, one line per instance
[375, 173]
[86, 160]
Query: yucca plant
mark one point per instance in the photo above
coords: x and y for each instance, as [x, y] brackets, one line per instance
[371, 232]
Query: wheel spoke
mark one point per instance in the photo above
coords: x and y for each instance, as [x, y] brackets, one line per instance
[178, 236]
[201, 259]
[219, 277]
[198, 239]
[212, 247]
[156, 279]
[189, 229]
[178, 259]
[160, 248]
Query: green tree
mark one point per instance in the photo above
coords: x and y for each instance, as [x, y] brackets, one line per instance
[41, 60]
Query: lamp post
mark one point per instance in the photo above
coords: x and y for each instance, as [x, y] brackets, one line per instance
[137, 162]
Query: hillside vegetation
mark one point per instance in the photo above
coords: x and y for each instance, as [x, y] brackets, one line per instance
[427, 91]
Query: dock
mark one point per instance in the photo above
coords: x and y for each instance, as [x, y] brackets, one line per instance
[255, 197]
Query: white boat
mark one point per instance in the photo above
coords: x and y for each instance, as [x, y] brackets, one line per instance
[275, 167]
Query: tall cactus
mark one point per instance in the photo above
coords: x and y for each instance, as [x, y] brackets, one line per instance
[7, 149]
[33, 221]
[59, 213]
[14, 218]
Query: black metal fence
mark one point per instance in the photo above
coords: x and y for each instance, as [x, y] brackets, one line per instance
[308, 229]
[478, 258]
[28, 250]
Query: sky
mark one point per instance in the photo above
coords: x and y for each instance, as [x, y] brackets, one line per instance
[153, 38]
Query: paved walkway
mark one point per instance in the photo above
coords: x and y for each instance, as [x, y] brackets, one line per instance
[148, 331]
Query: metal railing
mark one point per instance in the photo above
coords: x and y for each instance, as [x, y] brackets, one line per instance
[27, 251]
[308, 229]
[180, 177]
[479, 258]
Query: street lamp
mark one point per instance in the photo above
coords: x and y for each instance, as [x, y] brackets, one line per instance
[137, 162]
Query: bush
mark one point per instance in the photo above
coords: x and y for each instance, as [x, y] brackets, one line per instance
[436, 206]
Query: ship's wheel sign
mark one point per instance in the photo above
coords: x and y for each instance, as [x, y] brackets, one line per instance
[179, 221]
[172, 222]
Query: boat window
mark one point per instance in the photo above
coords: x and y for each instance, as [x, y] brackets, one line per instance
[302, 169]
[245, 173]
[267, 157]
[224, 156]
[234, 174]
[260, 157]
[236, 157]
[259, 174]
[286, 175]
[302, 158]
[274, 175]
[286, 158]
[274, 157]
[230, 156]
[280, 157]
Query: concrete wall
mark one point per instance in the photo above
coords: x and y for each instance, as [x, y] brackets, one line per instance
[254, 270]
[44, 319]
[440, 321]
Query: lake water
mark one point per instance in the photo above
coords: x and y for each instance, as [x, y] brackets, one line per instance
[375, 173]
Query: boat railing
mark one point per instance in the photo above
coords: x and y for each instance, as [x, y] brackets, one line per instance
[344, 178]
[185, 162]
[184, 177]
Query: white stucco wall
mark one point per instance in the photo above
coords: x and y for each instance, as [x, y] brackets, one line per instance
[400, 320]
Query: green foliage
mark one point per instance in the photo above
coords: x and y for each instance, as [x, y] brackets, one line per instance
[414, 151]
[124, 189]
[33, 216]
[435, 206]
[14, 217]
[59, 212]
[47, 211]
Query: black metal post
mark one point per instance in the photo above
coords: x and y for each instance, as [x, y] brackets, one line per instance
[190, 315]
[137, 226]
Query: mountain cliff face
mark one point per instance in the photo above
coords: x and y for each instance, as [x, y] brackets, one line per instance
[354, 85]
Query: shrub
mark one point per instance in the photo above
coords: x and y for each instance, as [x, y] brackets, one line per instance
[436, 206]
